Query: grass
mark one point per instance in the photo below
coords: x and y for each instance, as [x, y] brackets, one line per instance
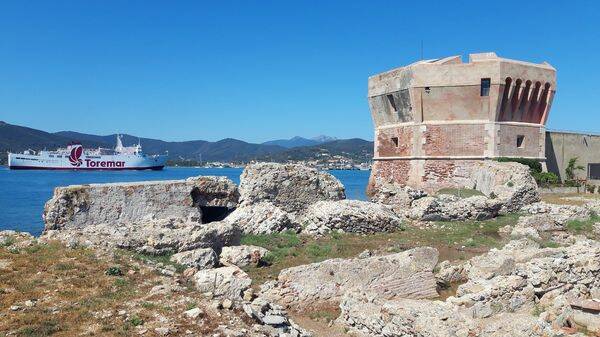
[583, 226]
[459, 192]
[72, 286]
[456, 240]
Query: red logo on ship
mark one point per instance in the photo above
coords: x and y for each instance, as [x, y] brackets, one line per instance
[75, 156]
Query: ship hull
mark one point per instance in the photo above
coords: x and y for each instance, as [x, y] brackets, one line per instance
[84, 163]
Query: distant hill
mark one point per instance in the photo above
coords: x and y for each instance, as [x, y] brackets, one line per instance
[293, 142]
[19, 138]
[355, 148]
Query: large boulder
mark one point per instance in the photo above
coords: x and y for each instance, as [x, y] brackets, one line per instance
[407, 274]
[200, 258]
[262, 218]
[351, 216]
[291, 187]
[396, 196]
[78, 206]
[226, 282]
[448, 207]
[242, 256]
[509, 182]
[163, 236]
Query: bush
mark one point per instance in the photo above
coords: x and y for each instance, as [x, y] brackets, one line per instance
[114, 271]
[534, 165]
[590, 188]
[572, 183]
[545, 178]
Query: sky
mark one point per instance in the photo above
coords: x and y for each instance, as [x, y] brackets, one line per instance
[262, 70]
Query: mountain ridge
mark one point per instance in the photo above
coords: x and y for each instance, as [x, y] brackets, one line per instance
[17, 138]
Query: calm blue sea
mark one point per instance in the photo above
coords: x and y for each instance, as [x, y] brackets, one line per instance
[23, 193]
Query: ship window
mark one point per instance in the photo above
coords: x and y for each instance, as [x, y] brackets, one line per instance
[390, 99]
[485, 86]
[395, 141]
[520, 139]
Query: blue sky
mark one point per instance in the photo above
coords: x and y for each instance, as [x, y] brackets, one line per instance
[260, 70]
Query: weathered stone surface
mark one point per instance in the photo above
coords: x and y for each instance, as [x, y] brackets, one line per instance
[367, 315]
[117, 203]
[398, 197]
[447, 207]
[273, 316]
[226, 282]
[14, 239]
[262, 218]
[407, 274]
[152, 236]
[571, 271]
[351, 216]
[559, 212]
[291, 187]
[200, 258]
[243, 255]
[511, 183]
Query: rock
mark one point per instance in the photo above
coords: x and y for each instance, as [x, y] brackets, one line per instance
[509, 182]
[243, 255]
[365, 254]
[162, 331]
[525, 232]
[200, 258]
[227, 304]
[449, 273]
[193, 313]
[351, 216]
[274, 320]
[262, 218]
[79, 206]
[14, 239]
[226, 282]
[544, 222]
[365, 314]
[291, 187]
[559, 213]
[152, 236]
[447, 208]
[398, 197]
[406, 274]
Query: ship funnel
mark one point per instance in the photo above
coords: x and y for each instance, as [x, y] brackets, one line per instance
[119, 147]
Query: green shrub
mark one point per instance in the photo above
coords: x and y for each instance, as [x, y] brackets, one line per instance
[590, 188]
[545, 178]
[114, 271]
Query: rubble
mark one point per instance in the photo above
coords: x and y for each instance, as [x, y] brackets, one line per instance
[351, 216]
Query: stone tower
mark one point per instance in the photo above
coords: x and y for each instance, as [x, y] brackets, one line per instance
[437, 120]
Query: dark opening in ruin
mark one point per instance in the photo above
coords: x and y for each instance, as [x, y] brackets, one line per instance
[214, 213]
[395, 141]
[209, 213]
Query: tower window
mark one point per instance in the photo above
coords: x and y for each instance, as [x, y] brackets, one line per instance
[390, 99]
[520, 139]
[395, 141]
[485, 86]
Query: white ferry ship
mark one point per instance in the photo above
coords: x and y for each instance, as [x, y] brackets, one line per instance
[75, 157]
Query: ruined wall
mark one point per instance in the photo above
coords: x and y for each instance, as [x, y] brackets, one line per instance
[562, 146]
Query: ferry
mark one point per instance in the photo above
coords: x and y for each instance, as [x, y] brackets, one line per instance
[75, 157]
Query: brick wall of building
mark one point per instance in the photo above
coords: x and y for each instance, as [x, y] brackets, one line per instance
[454, 140]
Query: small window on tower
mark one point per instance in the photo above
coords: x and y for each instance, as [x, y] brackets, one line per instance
[485, 86]
[520, 139]
[395, 141]
[390, 99]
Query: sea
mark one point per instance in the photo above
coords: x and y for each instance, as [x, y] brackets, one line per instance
[23, 193]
